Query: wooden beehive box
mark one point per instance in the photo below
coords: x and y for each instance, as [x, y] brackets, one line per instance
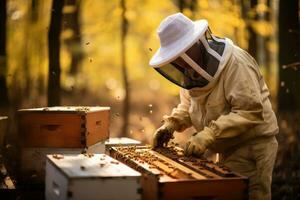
[167, 174]
[91, 177]
[63, 127]
[120, 141]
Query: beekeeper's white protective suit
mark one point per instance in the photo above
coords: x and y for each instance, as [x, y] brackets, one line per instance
[227, 102]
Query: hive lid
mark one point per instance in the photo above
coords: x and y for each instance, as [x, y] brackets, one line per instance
[68, 109]
[91, 166]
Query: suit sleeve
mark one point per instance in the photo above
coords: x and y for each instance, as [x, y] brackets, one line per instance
[180, 116]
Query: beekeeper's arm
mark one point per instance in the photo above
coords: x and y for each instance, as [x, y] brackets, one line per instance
[180, 116]
[179, 120]
[242, 92]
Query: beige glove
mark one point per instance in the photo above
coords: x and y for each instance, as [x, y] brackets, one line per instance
[164, 134]
[199, 142]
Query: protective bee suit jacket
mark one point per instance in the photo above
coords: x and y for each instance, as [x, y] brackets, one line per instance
[223, 96]
[234, 107]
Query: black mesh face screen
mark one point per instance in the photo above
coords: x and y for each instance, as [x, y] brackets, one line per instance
[183, 75]
[211, 63]
[214, 44]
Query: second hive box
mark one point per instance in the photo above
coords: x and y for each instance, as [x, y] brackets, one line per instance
[63, 127]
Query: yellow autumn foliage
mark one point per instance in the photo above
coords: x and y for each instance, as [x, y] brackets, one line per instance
[100, 25]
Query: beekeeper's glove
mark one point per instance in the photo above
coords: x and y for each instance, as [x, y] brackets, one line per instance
[199, 142]
[164, 134]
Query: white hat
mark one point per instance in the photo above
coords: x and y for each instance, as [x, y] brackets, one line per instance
[177, 33]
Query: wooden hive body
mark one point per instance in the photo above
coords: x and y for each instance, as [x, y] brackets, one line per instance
[63, 127]
[167, 174]
[91, 177]
[58, 130]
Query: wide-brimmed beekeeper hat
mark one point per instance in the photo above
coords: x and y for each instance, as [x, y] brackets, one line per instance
[177, 34]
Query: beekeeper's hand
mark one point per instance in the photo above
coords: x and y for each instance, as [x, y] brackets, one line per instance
[198, 143]
[163, 135]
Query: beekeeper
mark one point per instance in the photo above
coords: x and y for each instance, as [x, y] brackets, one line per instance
[223, 95]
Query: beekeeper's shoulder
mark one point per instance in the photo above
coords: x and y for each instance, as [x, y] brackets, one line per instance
[242, 60]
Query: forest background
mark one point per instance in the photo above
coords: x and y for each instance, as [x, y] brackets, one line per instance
[96, 53]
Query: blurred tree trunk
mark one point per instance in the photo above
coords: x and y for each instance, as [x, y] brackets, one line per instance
[193, 5]
[181, 5]
[36, 50]
[289, 56]
[187, 4]
[262, 52]
[126, 103]
[72, 24]
[34, 10]
[54, 51]
[37, 9]
[29, 47]
[249, 15]
[252, 49]
[3, 67]
[265, 46]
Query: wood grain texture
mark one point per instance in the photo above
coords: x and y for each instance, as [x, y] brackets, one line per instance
[169, 176]
[63, 127]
